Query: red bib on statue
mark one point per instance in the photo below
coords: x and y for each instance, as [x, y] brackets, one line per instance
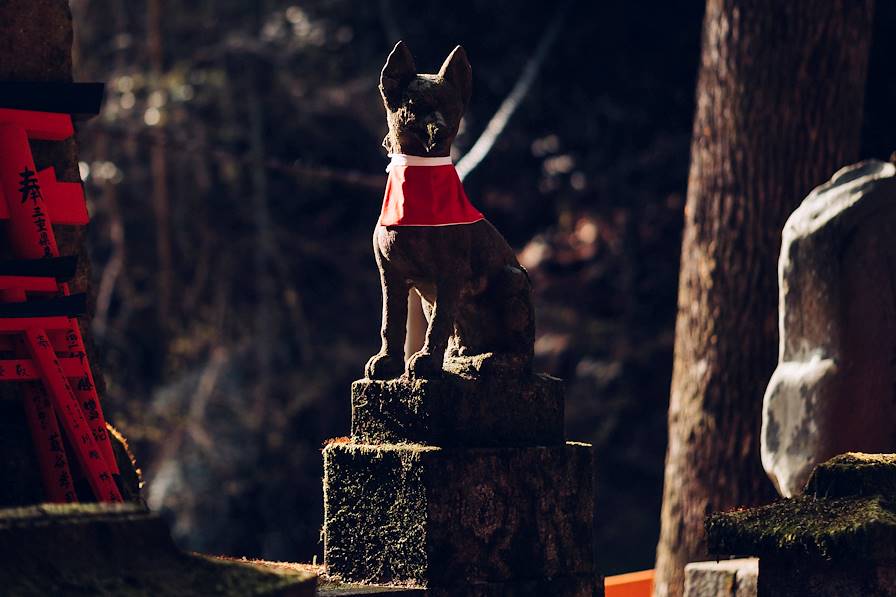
[425, 192]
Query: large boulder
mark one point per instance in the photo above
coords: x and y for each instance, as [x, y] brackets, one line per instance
[835, 385]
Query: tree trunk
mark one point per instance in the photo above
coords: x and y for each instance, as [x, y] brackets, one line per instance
[779, 107]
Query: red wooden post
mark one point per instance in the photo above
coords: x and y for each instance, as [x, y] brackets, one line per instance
[41, 416]
[55, 471]
[92, 462]
[30, 200]
[31, 234]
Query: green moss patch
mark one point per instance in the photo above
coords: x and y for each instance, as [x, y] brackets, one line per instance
[808, 526]
[445, 518]
[854, 474]
[125, 551]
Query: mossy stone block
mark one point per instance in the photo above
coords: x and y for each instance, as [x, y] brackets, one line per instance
[808, 527]
[812, 547]
[121, 550]
[459, 410]
[457, 518]
[854, 474]
[838, 539]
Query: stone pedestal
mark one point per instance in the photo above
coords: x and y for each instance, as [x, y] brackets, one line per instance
[459, 411]
[458, 487]
[839, 539]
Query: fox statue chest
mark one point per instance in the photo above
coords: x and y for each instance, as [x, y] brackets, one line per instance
[425, 219]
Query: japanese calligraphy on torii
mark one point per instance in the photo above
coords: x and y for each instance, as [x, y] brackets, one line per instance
[29, 187]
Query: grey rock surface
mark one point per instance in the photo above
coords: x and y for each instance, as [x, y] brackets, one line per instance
[834, 389]
[725, 578]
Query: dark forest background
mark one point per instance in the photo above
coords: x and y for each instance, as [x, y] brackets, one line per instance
[234, 178]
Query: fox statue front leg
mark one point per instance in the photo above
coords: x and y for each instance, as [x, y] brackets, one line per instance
[427, 363]
[388, 363]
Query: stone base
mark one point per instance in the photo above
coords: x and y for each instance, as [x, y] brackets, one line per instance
[443, 518]
[93, 549]
[821, 578]
[726, 578]
[837, 540]
[459, 410]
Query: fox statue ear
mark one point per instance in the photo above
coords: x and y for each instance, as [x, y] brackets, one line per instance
[457, 70]
[396, 74]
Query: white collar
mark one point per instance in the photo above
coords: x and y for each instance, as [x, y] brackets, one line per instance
[401, 159]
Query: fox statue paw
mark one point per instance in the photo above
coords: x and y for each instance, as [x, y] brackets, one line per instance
[384, 366]
[423, 365]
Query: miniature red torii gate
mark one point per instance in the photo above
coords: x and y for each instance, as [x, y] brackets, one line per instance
[38, 322]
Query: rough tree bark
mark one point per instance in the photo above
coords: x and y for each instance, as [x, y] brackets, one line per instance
[779, 106]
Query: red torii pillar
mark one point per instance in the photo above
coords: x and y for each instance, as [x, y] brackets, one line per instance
[32, 201]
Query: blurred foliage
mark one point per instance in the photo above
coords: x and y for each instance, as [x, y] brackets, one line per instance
[235, 176]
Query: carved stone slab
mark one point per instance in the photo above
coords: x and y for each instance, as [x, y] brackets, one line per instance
[460, 519]
[834, 389]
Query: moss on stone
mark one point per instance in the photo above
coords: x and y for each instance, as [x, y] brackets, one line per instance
[847, 513]
[402, 449]
[449, 517]
[854, 474]
[60, 513]
[808, 526]
[122, 550]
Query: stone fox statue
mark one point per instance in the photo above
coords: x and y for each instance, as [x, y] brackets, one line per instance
[476, 296]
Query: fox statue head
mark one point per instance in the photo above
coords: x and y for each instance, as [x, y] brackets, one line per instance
[423, 110]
